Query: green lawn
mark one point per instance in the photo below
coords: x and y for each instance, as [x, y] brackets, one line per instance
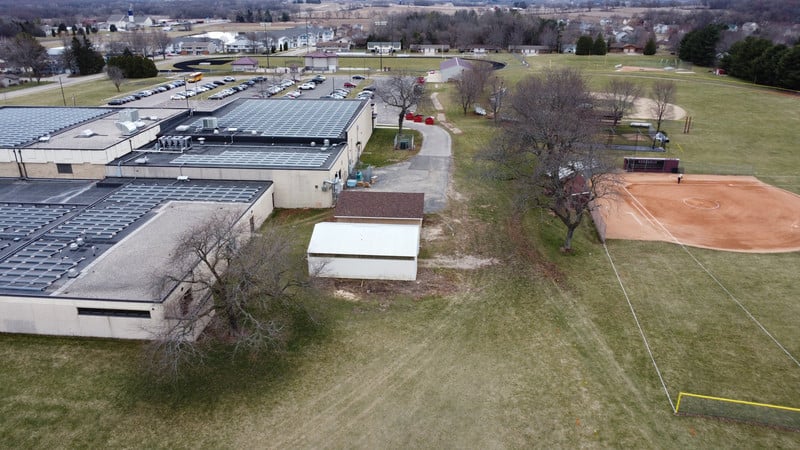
[538, 349]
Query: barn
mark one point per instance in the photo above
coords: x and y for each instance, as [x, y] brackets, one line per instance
[364, 251]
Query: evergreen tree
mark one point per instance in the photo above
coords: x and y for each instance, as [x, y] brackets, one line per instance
[599, 47]
[789, 69]
[650, 47]
[83, 58]
[699, 46]
[584, 45]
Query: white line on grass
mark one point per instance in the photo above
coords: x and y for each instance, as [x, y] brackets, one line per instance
[719, 283]
[639, 326]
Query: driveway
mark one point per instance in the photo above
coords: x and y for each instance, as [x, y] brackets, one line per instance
[427, 172]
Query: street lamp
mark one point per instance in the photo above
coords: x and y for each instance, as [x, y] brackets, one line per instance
[186, 95]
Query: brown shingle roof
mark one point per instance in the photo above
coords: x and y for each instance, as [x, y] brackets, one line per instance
[396, 205]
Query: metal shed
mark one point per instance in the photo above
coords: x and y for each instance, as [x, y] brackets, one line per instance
[364, 251]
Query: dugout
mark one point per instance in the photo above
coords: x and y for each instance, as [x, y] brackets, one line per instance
[636, 164]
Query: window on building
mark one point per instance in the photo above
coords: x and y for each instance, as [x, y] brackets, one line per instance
[64, 168]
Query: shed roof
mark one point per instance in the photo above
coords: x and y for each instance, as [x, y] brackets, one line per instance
[364, 239]
[388, 205]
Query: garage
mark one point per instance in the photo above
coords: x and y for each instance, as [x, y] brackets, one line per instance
[364, 251]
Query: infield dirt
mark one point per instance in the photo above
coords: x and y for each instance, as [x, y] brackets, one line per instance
[732, 213]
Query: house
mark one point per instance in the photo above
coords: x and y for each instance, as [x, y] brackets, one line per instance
[322, 61]
[7, 79]
[245, 64]
[338, 46]
[198, 46]
[530, 50]
[430, 49]
[479, 49]
[299, 37]
[384, 48]
[451, 68]
[243, 44]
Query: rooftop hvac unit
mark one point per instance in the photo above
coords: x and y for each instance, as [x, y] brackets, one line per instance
[209, 123]
[141, 160]
[182, 128]
[126, 127]
[326, 142]
[129, 115]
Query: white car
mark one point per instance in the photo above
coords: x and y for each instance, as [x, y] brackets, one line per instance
[177, 97]
[307, 86]
[229, 79]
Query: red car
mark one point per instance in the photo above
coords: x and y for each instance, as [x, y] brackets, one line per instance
[349, 85]
[429, 120]
[409, 116]
[418, 118]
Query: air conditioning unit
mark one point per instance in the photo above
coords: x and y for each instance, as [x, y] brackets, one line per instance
[129, 115]
[209, 123]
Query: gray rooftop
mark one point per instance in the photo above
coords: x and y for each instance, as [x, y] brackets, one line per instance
[288, 118]
[24, 125]
[43, 244]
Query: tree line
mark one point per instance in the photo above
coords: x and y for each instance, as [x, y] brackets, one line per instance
[754, 59]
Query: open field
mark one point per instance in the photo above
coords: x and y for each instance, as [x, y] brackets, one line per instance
[537, 350]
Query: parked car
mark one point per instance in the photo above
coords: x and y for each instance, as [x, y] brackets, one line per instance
[229, 79]
[349, 85]
[307, 86]
[178, 96]
[359, 77]
[318, 79]
[116, 101]
[371, 87]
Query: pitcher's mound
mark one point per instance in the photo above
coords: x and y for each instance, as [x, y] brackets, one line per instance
[732, 213]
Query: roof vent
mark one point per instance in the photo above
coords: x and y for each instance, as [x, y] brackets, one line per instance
[126, 127]
[141, 160]
[210, 123]
[129, 115]
[45, 138]
[87, 133]
[182, 128]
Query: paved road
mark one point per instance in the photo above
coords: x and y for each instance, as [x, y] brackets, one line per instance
[427, 172]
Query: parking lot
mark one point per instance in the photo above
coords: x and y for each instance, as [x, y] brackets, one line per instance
[209, 92]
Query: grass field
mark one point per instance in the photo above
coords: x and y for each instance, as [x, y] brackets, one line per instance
[537, 350]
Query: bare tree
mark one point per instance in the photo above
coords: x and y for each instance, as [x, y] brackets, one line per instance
[497, 97]
[663, 95]
[138, 42]
[243, 287]
[116, 75]
[26, 53]
[471, 84]
[160, 40]
[621, 94]
[549, 148]
[401, 91]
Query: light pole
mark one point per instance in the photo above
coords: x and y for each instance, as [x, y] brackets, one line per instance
[186, 95]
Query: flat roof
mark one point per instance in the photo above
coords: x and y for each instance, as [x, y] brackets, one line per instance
[305, 119]
[72, 128]
[364, 239]
[23, 125]
[240, 155]
[47, 240]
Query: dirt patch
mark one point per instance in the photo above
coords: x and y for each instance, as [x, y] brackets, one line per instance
[463, 262]
[428, 284]
[733, 213]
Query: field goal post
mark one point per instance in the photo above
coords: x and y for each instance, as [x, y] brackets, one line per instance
[738, 410]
